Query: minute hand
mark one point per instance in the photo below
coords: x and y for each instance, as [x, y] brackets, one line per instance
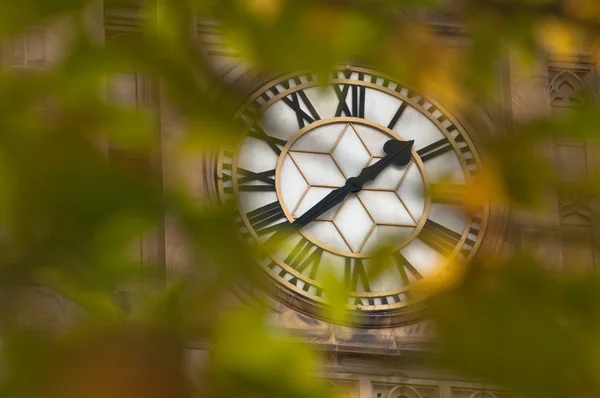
[398, 152]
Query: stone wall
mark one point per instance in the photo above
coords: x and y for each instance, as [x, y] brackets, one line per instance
[386, 363]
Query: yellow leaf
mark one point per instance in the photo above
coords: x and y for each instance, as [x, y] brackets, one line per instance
[450, 277]
[584, 9]
[486, 188]
[337, 297]
[557, 36]
[266, 10]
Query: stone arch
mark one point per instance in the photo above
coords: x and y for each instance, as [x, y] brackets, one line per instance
[565, 89]
[345, 389]
[483, 394]
[578, 211]
[404, 391]
[580, 236]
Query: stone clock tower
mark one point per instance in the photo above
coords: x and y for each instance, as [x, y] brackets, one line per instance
[385, 354]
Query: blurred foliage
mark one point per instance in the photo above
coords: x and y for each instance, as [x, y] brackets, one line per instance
[70, 218]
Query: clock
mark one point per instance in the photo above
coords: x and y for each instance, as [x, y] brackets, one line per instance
[333, 172]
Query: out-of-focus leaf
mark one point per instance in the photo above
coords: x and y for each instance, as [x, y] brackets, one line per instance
[557, 36]
[526, 175]
[486, 187]
[131, 361]
[583, 9]
[265, 10]
[15, 17]
[98, 303]
[260, 361]
[515, 324]
[337, 298]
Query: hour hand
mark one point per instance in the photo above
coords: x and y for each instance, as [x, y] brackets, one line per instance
[334, 198]
[397, 152]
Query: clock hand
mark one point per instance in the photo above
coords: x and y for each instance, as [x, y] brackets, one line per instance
[396, 153]
[328, 202]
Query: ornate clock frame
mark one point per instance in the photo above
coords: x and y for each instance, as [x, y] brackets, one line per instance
[478, 126]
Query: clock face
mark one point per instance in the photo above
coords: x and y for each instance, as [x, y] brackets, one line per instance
[304, 141]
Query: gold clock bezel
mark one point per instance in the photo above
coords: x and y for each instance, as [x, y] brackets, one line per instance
[378, 315]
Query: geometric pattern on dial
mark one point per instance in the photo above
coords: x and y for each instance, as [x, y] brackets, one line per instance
[390, 208]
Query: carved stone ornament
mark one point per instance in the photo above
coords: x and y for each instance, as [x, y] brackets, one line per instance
[565, 90]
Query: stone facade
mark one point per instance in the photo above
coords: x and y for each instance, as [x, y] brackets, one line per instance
[381, 363]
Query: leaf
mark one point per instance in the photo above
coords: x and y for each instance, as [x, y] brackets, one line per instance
[15, 17]
[557, 36]
[337, 298]
[515, 324]
[260, 361]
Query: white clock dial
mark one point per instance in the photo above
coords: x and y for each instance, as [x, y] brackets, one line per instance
[308, 142]
[321, 157]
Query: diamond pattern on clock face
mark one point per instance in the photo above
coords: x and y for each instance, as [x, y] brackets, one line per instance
[328, 233]
[386, 208]
[372, 138]
[311, 198]
[411, 191]
[326, 138]
[318, 169]
[350, 153]
[354, 223]
[389, 178]
[320, 161]
[386, 234]
[294, 186]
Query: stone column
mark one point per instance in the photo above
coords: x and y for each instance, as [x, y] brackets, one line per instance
[38, 47]
[530, 99]
[569, 77]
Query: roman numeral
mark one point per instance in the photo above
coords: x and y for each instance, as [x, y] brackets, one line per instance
[294, 101]
[440, 238]
[262, 219]
[302, 116]
[355, 275]
[436, 149]
[405, 267]
[355, 278]
[247, 176]
[357, 99]
[397, 115]
[275, 143]
[305, 255]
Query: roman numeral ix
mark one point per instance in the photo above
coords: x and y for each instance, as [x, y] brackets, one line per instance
[275, 143]
[295, 100]
[246, 177]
